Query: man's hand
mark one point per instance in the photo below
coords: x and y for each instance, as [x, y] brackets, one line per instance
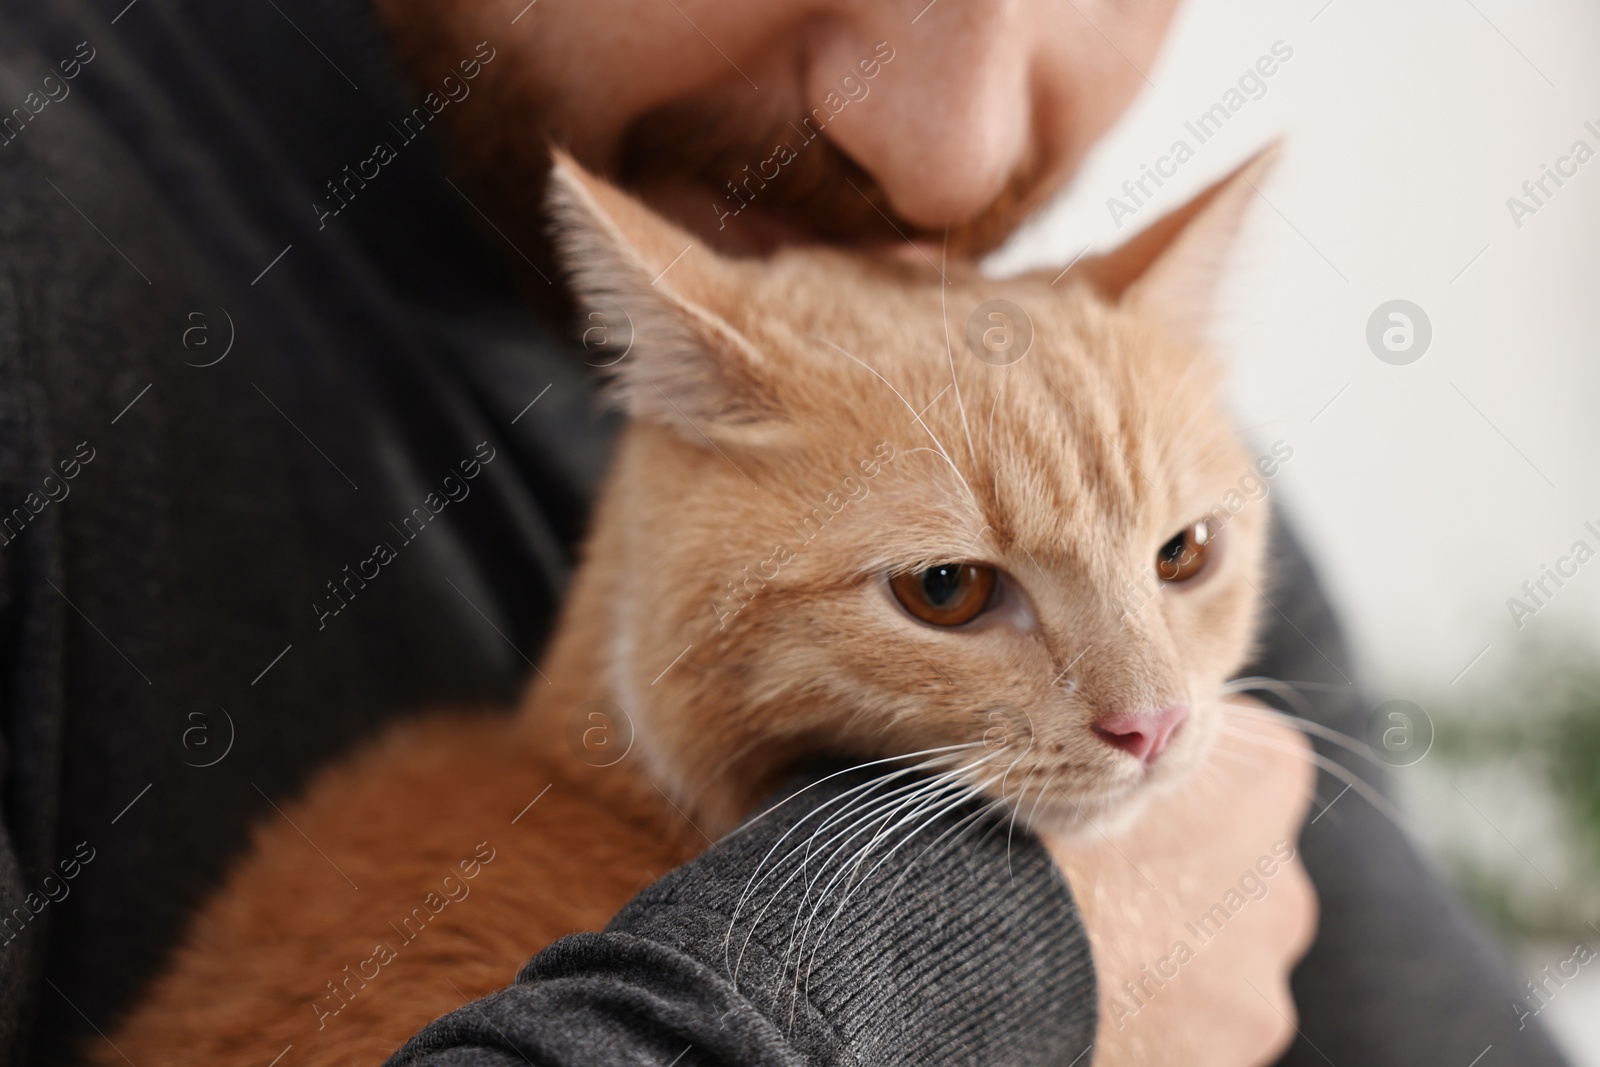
[1195, 914]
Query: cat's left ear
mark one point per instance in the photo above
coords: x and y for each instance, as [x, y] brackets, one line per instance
[1170, 270]
[686, 366]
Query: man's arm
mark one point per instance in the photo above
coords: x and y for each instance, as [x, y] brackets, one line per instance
[18, 950]
[32, 626]
[855, 924]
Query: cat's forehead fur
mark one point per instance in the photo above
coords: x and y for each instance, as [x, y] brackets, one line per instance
[1104, 426]
[812, 348]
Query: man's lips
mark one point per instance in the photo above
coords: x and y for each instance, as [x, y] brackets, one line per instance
[754, 230]
[749, 229]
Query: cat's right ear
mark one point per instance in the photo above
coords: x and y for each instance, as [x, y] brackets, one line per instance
[686, 365]
[1170, 270]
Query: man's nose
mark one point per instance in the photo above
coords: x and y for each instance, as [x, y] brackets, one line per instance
[947, 120]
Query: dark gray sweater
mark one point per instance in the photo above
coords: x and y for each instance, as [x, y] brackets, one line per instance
[943, 940]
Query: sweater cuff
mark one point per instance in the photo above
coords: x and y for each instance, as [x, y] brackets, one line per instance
[911, 928]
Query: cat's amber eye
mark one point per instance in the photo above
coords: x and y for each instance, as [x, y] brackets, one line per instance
[947, 595]
[1185, 556]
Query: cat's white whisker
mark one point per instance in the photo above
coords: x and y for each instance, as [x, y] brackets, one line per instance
[944, 750]
[1262, 683]
[1004, 778]
[966, 824]
[935, 799]
[879, 808]
[1339, 771]
[844, 801]
[1303, 723]
[847, 808]
[944, 320]
[1254, 763]
[882, 818]
[940, 805]
[863, 810]
[906, 794]
[1044, 789]
[994, 805]
[1022, 795]
[914, 414]
[988, 442]
[861, 816]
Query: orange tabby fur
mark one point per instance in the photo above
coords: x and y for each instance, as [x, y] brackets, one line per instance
[761, 394]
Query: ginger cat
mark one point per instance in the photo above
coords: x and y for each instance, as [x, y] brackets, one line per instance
[830, 528]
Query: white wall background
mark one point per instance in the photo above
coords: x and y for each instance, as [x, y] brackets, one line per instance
[1428, 492]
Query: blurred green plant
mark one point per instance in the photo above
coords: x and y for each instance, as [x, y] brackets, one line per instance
[1535, 723]
[1574, 746]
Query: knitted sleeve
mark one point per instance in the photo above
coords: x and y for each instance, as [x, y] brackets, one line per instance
[865, 921]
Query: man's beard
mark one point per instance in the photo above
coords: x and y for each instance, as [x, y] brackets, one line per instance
[744, 182]
[723, 165]
[693, 160]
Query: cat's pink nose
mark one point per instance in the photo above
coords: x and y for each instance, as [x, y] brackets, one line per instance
[1143, 735]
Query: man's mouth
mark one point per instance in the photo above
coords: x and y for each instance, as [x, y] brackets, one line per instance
[750, 230]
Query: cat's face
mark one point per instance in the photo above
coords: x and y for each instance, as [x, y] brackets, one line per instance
[833, 528]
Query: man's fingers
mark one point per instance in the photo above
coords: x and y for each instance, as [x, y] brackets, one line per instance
[1274, 1017]
[1301, 914]
[1255, 742]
